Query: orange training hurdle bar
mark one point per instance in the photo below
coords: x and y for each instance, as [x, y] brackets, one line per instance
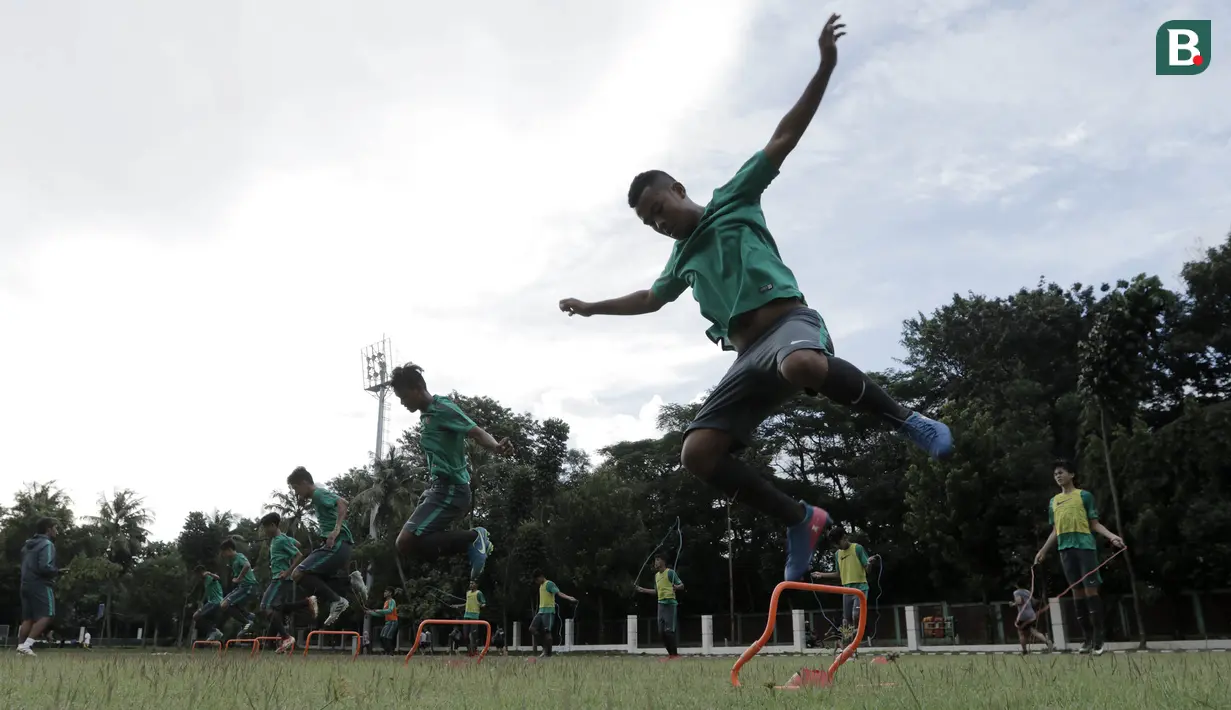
[251, 641]
[451, 622]
[205, 643]
[307, 643]
[256, 647]
[773, 614]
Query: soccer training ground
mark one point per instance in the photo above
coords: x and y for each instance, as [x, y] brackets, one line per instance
[135, 681]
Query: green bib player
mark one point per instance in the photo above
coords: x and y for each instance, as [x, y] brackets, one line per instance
[545, 619]
[475, 601]
[211, 600]
[331, 557]
[666, 585]
[1073, 515]
[244, 589]
[278, 598]
[852, 563]
[724, 252]
[444, 430]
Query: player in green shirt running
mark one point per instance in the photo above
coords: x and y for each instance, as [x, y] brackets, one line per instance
[244, 589]
[443, 432]
[211, 599]
[725, 253]
[278, 598]
[666, 584]
[331, 557]
[545, 620]
[1073, 515]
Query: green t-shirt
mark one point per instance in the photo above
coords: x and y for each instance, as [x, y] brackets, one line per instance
[238, 562]
[730, 260]
[213, 590]
[547, 597]
[282, 550]
[1070, 515]
[325, 505]
[443, 440]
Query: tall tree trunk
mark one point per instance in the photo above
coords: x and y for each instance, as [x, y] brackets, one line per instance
[1115, 506]
[367, 575]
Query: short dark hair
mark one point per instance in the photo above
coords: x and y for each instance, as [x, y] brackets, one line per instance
[271, 519]
[1065, 464]
[227, 544]
[199, 569]
[44, 525]
[643, 181]
[407, 377]
[299, 475]
[537, 573]
[661, 556]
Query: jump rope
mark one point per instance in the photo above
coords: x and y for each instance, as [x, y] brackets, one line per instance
[1072, 586]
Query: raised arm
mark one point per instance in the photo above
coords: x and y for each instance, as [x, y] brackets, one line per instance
[634, 304]
[796, 121]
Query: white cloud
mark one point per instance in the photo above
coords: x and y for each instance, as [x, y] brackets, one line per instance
[211, 213]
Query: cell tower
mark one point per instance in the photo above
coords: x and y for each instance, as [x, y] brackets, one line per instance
[377, 369]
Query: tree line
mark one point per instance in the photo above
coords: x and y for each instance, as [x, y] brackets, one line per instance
[1130, 379]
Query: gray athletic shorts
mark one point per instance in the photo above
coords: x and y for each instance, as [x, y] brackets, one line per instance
[752, 389]
[1077, 563]
[542, 623]
[850, 608]
[439, 507]
[666, 618]
[38, 601]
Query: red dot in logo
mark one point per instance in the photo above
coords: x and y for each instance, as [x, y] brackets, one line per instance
[1198, 60]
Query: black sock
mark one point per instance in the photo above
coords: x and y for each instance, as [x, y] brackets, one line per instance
[847, 385]
[1094, 605]
[741, 483]
[1083, 619]
[275, 624]
[319, 588]
[669, 642]
[454, 542]
[546, 644]
[238, 614]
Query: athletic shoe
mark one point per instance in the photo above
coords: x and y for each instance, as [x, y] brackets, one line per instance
[479, 549]
[1100, 649]
[287, 645]
[313, 607]
[1085, 648]
[215, 635]
[248, 626]
[26, 651]
[928, 434]
[356, 583]
[335, 610]
[801, 541]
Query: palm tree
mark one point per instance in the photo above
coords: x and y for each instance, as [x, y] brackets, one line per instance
[294, 512]
[121, 522]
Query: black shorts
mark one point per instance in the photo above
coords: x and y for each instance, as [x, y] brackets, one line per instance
[666, 618]
[325, 563]
[439, 507]
[279, 590]
[752, 388]
[37, 602]
[542, 623]
[1077, 563]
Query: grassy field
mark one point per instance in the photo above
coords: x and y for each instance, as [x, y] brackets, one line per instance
[74, 679]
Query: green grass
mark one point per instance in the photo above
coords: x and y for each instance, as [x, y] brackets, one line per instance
[72, 679]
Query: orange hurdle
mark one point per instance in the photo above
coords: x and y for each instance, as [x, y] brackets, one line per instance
[307, 643]
[773, 615]
[256, 647]
[205, 643]
[451, 622]
[251, 641]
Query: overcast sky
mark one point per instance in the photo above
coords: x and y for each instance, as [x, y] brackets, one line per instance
[207, 209]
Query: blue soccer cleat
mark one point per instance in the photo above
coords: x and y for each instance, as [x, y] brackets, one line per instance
[478, 552]
[802, 540]
[928, 434]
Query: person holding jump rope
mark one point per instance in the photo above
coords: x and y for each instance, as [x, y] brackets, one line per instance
[1073, 517]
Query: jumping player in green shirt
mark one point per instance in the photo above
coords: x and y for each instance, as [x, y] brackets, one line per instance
[1073, 515]
[666, 584]
[284, 555]
[443, 433]
[334, 552]
[725, 253]
[211, 599]
[244, 589]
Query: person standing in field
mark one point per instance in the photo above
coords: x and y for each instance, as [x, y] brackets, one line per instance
[666, 584]
[1073, 515]
[475, 602]
[38, 573]
[389, 613]
[545, 619]
[852, 564]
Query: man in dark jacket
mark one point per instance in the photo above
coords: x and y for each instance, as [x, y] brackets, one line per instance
[38, 571]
